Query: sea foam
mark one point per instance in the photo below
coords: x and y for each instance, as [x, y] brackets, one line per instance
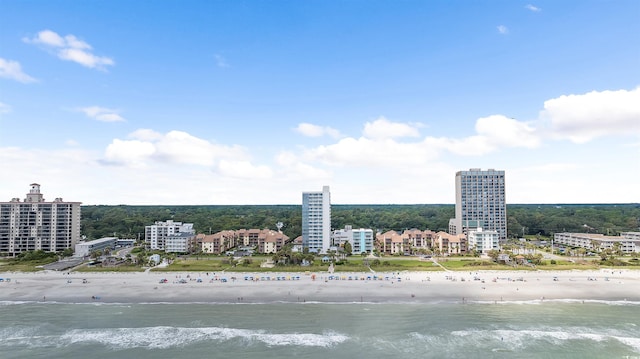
[163, 337]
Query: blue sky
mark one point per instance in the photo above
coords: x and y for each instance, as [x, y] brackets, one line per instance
[253, 102]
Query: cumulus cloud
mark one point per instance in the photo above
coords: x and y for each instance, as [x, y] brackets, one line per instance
[383, 128]
[13, 70]
[102, 114]
[507, 132]
[243, 169]
[70, 48]
[532, 8]
[582, 118]
[311, 130]
[383, 143]
[503, 29]
[145, 147]
[293, 167]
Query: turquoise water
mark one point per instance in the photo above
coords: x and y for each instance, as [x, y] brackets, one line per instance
[314, 330]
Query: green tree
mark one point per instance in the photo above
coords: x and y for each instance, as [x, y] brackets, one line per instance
[347, 248]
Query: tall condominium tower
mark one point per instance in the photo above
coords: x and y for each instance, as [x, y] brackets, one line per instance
[480, 202]
[38, 225]
[316, 220]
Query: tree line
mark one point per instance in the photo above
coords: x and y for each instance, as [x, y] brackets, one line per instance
[522, 219]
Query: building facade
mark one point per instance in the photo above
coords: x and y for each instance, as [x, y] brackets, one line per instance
[316, 220]
[627, 242]
[361, 239]
[483, 241]
[35, 224]
[84, 249]
[156, 235]
[480, 202]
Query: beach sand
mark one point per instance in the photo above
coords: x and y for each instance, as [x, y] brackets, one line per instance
[405, 287]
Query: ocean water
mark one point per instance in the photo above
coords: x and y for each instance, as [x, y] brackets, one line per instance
[319, 330]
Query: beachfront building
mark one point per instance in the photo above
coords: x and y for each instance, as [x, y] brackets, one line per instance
[217, 243]
[627, 242]
[361, 239]
[392, 242]
[417, 239]
[449, 244]
[480, 202]
[35, 224]
[84, 249]
[316, 220]
[483, 241]
[258, 240]
[155, 236]
[182, 242]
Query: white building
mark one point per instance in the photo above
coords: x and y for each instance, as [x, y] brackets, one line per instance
[480, 201]
[156, 235]
[361, 239]
[35, 224]
[628, 242]
[182, 242]
[316, 220]
[483, 241]
[84, 249]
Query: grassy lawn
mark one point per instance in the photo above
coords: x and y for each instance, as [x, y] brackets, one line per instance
[122, 268]
[353, 264]
[24, 266]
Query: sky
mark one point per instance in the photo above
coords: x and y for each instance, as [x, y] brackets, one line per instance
[253, 102]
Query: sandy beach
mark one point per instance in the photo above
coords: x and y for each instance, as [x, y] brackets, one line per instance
[406, 287]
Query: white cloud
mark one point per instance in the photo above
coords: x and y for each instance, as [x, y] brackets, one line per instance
[13, 70]
[503, 29]
[364, 152]
[129, 153]
[311, 130]
[532, 8]
[292, 167]
[102, 114]
[244, 169]
[221, 61]
[383, 128]
[4, 108]
[507, 132]
[176, 147]
[70, 48]
[581, 118]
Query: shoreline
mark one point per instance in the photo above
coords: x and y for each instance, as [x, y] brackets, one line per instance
[603, 285]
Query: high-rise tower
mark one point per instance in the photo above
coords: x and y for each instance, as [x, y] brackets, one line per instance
[480, 202]
[316, 220]
[38, 225]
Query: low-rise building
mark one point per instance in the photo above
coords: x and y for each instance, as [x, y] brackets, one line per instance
[483, 241]
[628, 242]
[391, 242]
[449, 244]
[361, 239]
[180, 243]
[262, 240]
[84, 249]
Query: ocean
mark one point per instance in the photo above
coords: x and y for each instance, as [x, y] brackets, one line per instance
[566, 329]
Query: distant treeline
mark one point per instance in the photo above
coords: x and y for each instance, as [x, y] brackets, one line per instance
[528, 219]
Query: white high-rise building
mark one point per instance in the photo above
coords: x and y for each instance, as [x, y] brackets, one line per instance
[35, 224]
[480, 202]
[316, 220]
